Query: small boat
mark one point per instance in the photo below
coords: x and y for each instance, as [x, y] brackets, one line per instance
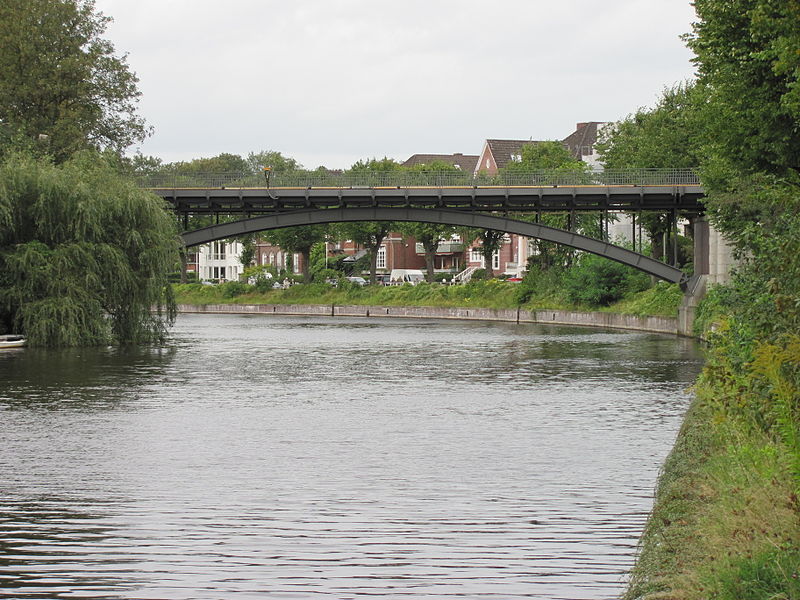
[12, 341]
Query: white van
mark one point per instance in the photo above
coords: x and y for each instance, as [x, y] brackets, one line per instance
[401, 276]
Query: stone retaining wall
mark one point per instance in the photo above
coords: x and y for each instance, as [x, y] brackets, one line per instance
[555, 317]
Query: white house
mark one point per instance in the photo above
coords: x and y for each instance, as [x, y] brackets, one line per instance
[219, 261]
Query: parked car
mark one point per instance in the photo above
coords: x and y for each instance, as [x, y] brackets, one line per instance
[402, 276]
[357, 280]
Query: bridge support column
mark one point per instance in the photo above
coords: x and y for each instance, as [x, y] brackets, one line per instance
[692, 296]
[713, 260]
[713, 255]
[701, 247]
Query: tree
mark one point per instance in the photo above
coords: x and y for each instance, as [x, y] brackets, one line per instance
[222, 163]
[279, 163]
[671, 135]
[60, 79]
[668, 136]
[429, 235]
[84, 254]
[299, 239]
[552, 156]
[746, 54]
[546, 155]
[369, 234]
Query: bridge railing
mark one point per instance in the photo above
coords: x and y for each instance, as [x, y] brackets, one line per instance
[321, 178]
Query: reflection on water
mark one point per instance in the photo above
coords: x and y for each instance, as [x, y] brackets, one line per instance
[272, 457]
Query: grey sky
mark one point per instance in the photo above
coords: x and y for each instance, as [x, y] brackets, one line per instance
[331, 81]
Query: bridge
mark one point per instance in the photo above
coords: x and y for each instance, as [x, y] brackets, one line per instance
[449, 198]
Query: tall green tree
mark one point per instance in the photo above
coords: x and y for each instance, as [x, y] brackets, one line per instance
[279, 163]
[746, 52]
[430, 235]
[84, 254]
[748, 59]
[370, 235]
[62, 86]
[552, 156]
[671, 135]
[668, 136]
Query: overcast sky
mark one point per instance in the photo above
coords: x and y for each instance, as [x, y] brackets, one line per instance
[329, 82]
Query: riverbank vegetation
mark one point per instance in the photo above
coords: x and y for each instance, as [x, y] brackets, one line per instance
[84, 254]
[556, 289]
[726, 523]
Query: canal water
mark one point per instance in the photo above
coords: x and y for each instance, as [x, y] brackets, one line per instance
[282, 457]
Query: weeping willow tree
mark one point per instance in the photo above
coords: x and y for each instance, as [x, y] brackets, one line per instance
[84, 255]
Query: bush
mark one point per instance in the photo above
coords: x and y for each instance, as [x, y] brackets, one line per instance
[231, 289]
[479, 275]
[597, 281]
[175, 277]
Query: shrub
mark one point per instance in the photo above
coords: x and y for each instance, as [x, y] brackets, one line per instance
[599, 282]
[231, 289]
[479, 275]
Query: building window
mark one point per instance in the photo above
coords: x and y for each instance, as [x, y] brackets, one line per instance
[475, 255]
[586, 151]
[218, 250]
[495, 261]
[380, 263]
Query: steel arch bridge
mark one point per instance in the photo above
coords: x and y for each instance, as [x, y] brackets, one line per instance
[314, 216]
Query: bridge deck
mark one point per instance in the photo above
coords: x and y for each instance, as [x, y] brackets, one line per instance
[250, 201]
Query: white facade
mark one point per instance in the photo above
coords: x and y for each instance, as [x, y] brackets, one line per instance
[219, 261]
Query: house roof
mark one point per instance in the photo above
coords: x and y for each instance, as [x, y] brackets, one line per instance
[585, 134]
[503, 150]
[465, 162]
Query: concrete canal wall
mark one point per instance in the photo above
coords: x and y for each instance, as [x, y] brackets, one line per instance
[553, 317]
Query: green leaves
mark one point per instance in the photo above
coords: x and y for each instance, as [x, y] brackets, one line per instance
[746, 51]
[60, 79]
[84, 256]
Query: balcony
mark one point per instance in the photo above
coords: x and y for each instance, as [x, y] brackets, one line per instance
[444, 248]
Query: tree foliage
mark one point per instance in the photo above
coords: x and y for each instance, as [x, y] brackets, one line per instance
[299, 239]
[430, 235]
[84, 254]
[550, 155]
[598, 281]
[59, 78]
[668, 136]
[746, 52]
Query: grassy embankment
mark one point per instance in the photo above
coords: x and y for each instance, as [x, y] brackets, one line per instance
[661, 300]
[726, 521]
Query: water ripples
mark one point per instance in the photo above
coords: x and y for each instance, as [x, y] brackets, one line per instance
[287, 458]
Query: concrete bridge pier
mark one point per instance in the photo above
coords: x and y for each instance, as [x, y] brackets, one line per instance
[713, 261]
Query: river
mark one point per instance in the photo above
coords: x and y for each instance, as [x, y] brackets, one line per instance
[283, 457]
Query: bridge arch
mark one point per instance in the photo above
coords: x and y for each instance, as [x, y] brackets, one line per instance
[316, 216]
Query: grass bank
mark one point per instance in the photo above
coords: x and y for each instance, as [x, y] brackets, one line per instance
[661, 300]
[726, 520]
